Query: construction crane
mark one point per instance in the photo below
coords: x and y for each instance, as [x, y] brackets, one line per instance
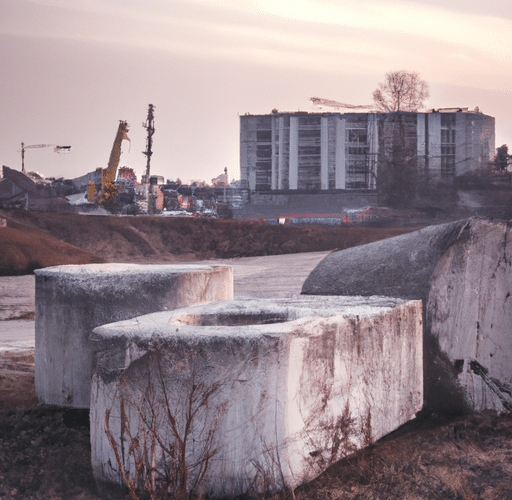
[337, 105]
[57, 149]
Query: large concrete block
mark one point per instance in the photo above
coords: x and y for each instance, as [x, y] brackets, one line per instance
[396, 267]
[72, 300]
[250, 395]
[469, 315]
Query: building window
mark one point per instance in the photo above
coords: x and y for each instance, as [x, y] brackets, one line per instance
[309, 120]
[263, 151]
[359, 150]
[447, 167]
[264, 122]
[447, 119]
[358, 174]
[447, 146]
[447, 136]
[309, 150]
[356, 147]
[356, 136]
[263, 175]
[264, 136]
[309, 133]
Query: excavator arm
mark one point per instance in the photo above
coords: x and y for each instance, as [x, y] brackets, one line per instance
[108, 175]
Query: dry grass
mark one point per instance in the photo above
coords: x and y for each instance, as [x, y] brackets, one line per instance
[130, 239]
[467, 458]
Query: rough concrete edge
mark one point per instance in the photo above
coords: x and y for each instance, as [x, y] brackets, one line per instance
[441, 378]
[454, 230]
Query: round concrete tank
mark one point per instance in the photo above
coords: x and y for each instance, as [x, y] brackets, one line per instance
[72, 300]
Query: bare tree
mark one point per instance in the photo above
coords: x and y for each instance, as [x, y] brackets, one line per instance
[402, 91]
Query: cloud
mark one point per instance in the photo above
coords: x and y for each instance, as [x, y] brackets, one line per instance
[312, 35]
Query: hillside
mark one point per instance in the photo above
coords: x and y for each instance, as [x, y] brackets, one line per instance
[159, 239]
[22, 251]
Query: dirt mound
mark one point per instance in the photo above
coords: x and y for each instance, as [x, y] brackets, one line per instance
[161, 239]
[22, 251]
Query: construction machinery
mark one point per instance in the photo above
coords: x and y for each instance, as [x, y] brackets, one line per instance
[57, 149]
[104, 191]
[338, 105]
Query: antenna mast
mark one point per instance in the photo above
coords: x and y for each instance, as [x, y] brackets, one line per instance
[149, 126]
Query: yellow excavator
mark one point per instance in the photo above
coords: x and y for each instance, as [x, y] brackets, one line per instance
[104, 192]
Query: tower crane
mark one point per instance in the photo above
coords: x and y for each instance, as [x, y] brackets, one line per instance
[57, 149]
[337, 105]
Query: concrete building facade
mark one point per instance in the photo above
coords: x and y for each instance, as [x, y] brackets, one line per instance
[301, 151]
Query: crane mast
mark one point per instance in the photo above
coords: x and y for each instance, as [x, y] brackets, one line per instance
[150, 128]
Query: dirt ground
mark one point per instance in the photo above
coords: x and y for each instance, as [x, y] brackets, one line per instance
[41, 239]
[45, 454]
[45, 451]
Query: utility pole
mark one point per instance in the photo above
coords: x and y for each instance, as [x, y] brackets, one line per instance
[150, 128]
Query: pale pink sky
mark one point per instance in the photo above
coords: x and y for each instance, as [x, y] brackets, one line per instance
[69, 71]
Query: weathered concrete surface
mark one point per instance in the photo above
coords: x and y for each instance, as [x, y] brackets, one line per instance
[469, 314]
[396, 267]
[72, 300]
[281, 388]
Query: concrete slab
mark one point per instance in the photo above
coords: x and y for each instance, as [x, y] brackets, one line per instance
[250, 395]
[72, 300]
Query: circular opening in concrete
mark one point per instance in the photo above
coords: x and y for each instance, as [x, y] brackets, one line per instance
[231, 319]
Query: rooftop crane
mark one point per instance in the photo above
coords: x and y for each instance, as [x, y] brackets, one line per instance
[57, 149]
[337, 105]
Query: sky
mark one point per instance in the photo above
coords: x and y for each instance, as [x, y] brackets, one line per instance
[69, 71]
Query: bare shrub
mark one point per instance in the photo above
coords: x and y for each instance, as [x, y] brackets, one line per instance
[167, 431]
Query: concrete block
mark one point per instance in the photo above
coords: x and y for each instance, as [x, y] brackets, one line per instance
[250, 395]
[469, 316]
[72, 300]
[396, 267]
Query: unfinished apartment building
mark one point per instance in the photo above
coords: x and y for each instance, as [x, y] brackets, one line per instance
[338, 151]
